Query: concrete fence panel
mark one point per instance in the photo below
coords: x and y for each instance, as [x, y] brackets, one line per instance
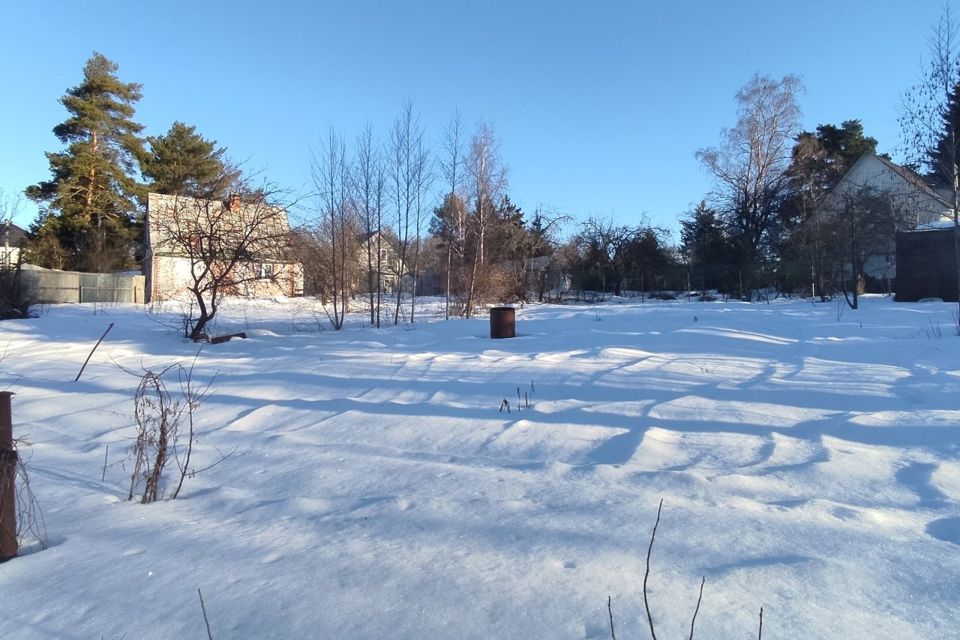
[52, 286]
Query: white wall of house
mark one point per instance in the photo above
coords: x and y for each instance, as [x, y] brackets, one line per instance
[171, 279]
[10, 238]
[921, 203]
[9, 256]
[390, 265]
[168, 270]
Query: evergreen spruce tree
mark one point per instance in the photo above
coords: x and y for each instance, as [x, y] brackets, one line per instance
[707, 249]
[942, 156]
[90, 202]
[183, 162]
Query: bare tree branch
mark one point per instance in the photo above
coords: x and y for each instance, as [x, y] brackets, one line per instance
[697, 610]
[90, 355]
[646, 575]
[613, 634]
[203, 608]
[226, 248]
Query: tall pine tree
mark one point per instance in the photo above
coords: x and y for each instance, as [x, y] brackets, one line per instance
[183, 162]
[88, 206]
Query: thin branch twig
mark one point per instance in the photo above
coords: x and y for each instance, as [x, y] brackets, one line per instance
[697, 610]
[646, 575]
[760, 632]
[205, 620]
[90, 355]
[613, 634]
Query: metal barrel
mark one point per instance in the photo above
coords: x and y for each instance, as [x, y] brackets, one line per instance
[503, 322]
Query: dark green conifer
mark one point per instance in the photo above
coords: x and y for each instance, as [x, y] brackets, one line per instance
[944, 155]
[90, 202]
[183, 162]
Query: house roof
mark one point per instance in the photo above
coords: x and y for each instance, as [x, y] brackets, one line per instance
[11, 234]
[904, 186]
[172, 220]
[938, 225]
[912, 177]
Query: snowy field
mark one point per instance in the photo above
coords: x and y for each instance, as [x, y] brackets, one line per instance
[808, 458]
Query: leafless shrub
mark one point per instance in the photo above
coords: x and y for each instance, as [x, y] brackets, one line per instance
[165, 430]
[646, 601]
[31, 527]
[934, 330]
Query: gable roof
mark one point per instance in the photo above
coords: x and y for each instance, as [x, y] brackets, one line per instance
[911, 177]
[11, 234]
[171, 220]
[907, 189]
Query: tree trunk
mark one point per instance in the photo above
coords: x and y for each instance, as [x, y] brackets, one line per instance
[379, 269]
[956, 235]
[446, 301]
[473, 279]
[92, 176]
[370, 275]
[416, 274]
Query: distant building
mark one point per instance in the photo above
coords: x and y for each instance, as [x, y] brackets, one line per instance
[12, 239]
[185, 236]
[917, 204]
[391, 267]
[907, 191]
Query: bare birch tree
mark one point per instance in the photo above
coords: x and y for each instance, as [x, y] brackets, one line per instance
[750, 165]
[454, 225]
[369, 184]
[410, 183]
[423, 177]
[330, 178]
[487, 180]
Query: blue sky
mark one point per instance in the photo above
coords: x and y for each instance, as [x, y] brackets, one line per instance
[599, 106]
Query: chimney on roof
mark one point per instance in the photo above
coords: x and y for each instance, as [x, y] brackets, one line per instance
[234, 204]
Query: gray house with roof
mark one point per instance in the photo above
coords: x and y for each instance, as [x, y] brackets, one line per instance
[918, 205]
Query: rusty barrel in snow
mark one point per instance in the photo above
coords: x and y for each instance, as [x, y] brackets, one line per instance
[8, 475]
[503, 322]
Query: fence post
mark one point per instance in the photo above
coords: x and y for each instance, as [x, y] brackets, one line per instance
[8, 476]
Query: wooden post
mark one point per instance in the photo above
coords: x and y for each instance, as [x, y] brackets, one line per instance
[8, 476]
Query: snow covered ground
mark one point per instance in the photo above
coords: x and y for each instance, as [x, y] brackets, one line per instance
[807, 459]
